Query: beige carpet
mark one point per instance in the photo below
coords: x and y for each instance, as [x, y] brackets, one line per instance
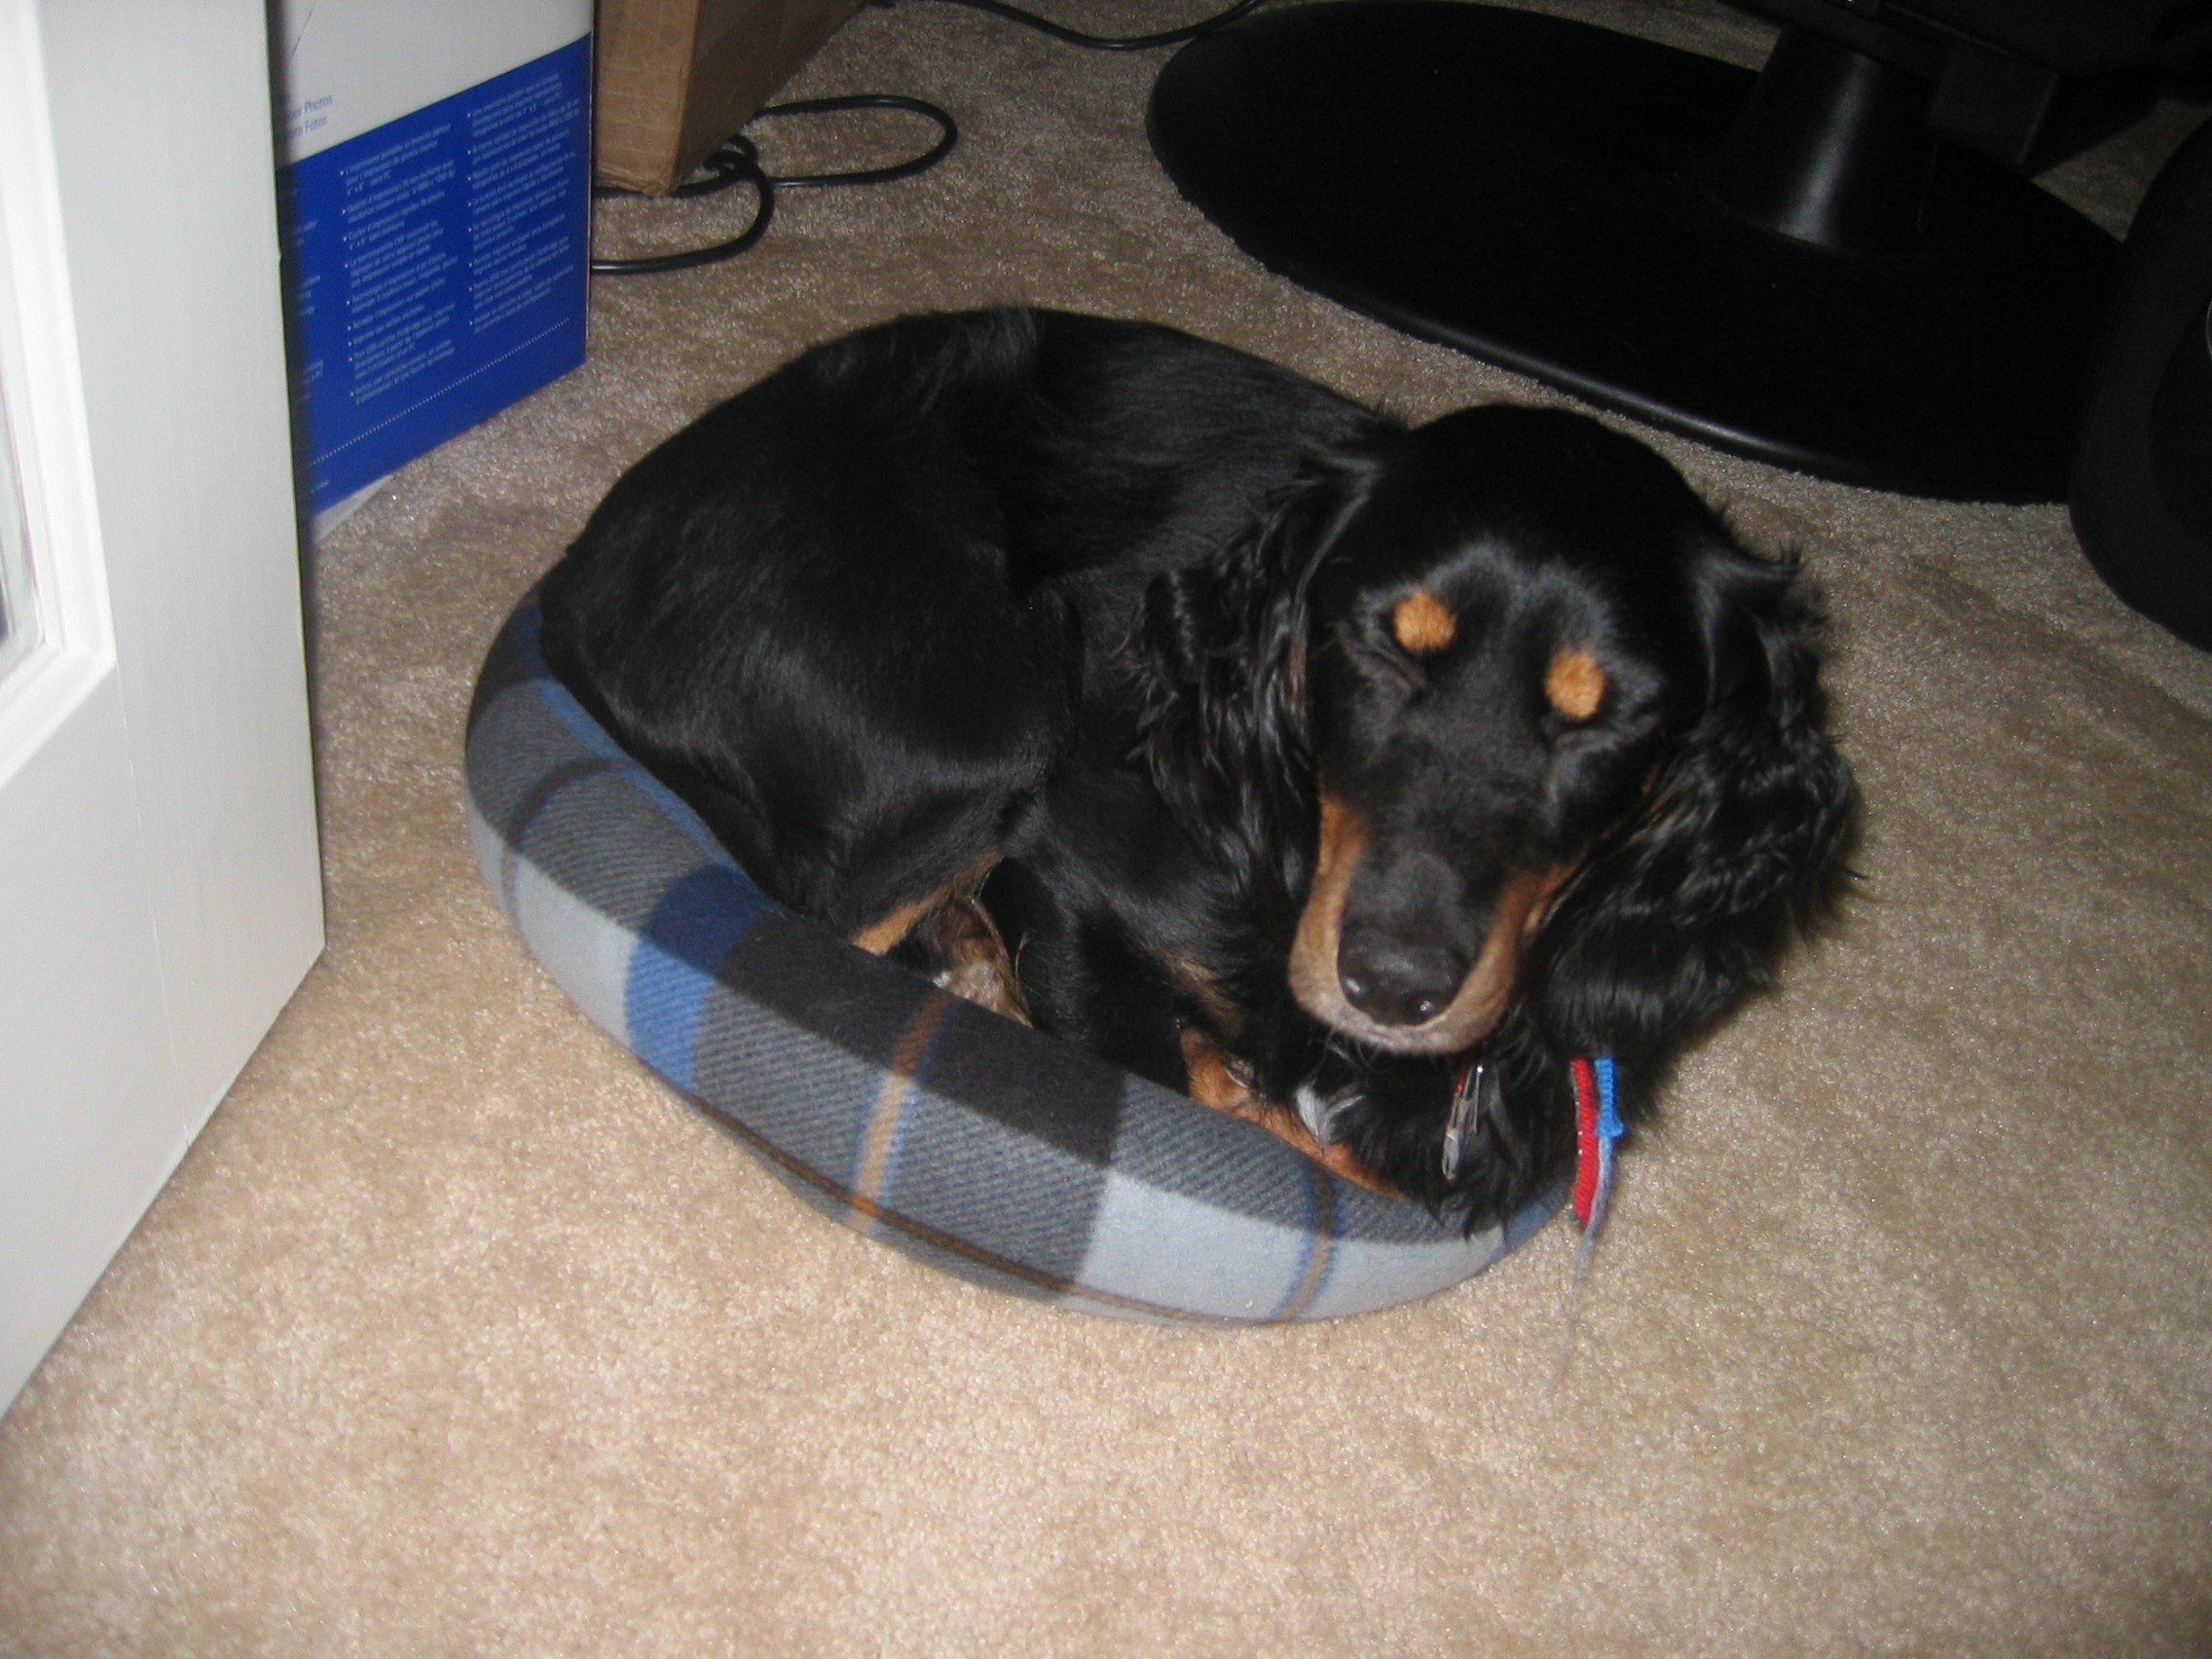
[457, 1334]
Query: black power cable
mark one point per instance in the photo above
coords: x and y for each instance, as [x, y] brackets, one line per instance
[737, 160]
[1109, 43]
[948, 136]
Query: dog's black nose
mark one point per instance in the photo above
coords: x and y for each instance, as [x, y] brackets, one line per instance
[1394, 981]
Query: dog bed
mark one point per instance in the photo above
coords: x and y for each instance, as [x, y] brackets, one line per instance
[963, 1138]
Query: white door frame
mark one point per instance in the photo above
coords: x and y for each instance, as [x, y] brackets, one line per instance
[160, 891]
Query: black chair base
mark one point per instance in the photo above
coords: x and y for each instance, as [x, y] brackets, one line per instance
[1550, 196]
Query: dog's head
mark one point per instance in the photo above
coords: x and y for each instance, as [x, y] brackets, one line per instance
[1556, 733]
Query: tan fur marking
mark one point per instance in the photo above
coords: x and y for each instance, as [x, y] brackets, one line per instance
[1215, 1080]
[1575, 683]
[1528, 898]
[1218, 1082]
[1313, 951]
[975, 965]
[877, 937]
[1219, 1012]
[1424, 623]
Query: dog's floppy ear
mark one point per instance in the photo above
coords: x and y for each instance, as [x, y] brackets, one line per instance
[1739, 842]
[1221, 667]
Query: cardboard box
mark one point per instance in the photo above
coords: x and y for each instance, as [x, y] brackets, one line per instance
[436, 191]
[677, 77]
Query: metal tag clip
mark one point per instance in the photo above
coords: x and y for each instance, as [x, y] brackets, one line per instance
[1475, 1097]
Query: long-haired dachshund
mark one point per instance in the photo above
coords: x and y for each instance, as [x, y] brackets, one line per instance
[1293, 758]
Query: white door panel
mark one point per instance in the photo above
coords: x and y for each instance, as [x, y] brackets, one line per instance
[91, 1126]
[159, 894]
[173, 269]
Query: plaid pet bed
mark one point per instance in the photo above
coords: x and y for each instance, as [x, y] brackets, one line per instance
[963, 1138]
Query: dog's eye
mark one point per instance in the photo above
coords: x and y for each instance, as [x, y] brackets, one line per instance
[1377, 655]
[1397, 669]
[1558, 727]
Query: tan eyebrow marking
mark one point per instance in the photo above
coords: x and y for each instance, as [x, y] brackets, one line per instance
[1424, 623]
[1574, 682]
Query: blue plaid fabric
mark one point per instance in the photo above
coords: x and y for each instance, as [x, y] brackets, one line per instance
[961, 1137]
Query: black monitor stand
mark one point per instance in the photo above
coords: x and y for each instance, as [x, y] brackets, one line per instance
[1784, 265]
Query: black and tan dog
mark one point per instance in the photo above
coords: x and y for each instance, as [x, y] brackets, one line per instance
[1300, 760]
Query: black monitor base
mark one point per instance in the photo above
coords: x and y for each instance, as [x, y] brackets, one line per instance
[1548, 196]
[2143, 474]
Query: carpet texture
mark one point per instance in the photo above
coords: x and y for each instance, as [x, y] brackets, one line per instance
[456, 1334]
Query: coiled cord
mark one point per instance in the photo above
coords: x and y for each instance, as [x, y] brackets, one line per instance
[737, 159]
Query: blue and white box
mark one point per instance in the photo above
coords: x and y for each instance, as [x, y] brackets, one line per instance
[435, 161]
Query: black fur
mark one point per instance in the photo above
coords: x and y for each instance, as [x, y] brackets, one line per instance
[1110, 612]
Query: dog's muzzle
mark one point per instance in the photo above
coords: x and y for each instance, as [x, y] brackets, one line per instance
[1403, 986]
